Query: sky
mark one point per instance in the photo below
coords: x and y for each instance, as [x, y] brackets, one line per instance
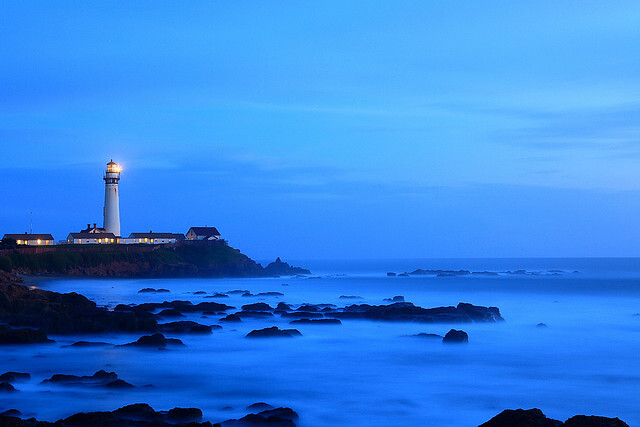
[332, 129]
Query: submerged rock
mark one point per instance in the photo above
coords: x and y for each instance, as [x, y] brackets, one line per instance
[185, 326]
[231, 318]
[594, 421]
[14, 376]
[184, 415]
[6, 387]
[406, 311]
[273, 332]
[22, 336]
[258, 306]
[455, 336]
[521, 418]
[425, 335]
[89, 344]
[155, 340]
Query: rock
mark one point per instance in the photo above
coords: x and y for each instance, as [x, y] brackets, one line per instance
[155, 340]
[14, 376]
[350, 297]
[231, 318]
[280, 268]
[119, 384]
[397, 298]
[317, 321]
[405, 311]
[199, 293]
[272, 417]
[71, 313]
[425, 335]
[22, 336]
[100, 377]
[594, 421]
[218, 295]
[248, 294]
[185, 326]
[239, 291]
[273, 332]
[162, 290]
[259, 406]
[521, 418]
[6, 387]
[184, 415]
[455, 336]
[283, 306]
[147, 290]
[541, 325]
[136, 412]
[391, 274]
[254, 314]
[89, 344]
[11, 413]
[270, 294]
[258, 306]
[441, 273]
[403, 275]
[170, 312]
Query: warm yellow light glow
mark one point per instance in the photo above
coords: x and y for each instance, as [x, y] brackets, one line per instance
[146, 240]
[19, 242]
[39, 241]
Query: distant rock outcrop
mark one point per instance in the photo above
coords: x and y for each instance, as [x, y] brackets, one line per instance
[273, 332]
[406, 311]
[535, 418]
[281, 268]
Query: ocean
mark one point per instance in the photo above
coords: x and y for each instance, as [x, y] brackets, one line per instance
[369, 373]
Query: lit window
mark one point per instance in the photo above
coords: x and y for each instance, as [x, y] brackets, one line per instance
[146, 240]
[39, 241]
[140, 240]
[19, 242]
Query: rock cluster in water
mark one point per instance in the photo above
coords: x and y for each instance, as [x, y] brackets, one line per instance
[535, 418]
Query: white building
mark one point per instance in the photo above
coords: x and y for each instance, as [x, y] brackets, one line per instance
[152, 238]
[31, 239]
[203, 233]
[89, 238]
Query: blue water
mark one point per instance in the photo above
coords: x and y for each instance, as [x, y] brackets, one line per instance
[367, 373]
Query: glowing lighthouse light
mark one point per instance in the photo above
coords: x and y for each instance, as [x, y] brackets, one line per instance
[111, 198]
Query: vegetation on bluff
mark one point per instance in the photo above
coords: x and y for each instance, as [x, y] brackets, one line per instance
[178, 261]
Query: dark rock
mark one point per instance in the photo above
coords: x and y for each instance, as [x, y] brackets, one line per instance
[6, 387]
[170, 312]
[199, 293]
[308, 307]
[455, 336]
[405, 311]
[184, 415]
[218, 295]
[286, 413]
[350, 297]
[71, 313]
[594, 421]
[272, 417]
[317, 322]
[403, 275]
[521, 418]
[231, 318]
[100, 377]
[259, 406]
[185, 326]
[391, 274]
[155, 340]
[541, 325]
[273, 332]
[280, 268]
[22, 336]
[14, 376]
[283, 306]
[11, 413]
[238, 291]
[270, 294]
[147, 290]
[425, 335]
[136, 412]
[248, 294]
[89, 344]
[161, 290]
[397, 298]
[441, 273]
[258, 306]
[119, 384]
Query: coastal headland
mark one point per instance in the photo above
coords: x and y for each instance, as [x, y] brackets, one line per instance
[139, 261]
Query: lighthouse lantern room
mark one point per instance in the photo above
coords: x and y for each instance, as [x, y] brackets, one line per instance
[111, 199]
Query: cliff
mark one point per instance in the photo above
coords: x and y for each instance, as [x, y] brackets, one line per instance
[177, 261]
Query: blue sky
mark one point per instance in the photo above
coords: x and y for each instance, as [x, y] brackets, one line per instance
[330, 129]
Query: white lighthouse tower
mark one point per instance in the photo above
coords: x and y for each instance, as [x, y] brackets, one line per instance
[111, 199]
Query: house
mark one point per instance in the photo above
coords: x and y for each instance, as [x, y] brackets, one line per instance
[89, 238]
[203, 233]
[152, 238]
[31, 239]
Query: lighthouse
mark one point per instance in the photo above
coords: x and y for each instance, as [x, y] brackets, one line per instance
[112, 199]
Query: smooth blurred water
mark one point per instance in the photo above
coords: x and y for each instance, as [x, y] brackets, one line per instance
[367, 373]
